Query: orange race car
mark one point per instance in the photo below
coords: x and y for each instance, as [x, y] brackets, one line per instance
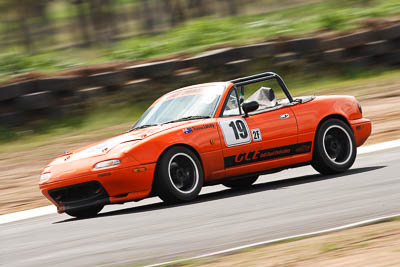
[208, 134]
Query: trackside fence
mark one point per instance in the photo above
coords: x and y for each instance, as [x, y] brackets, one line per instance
[61, 95]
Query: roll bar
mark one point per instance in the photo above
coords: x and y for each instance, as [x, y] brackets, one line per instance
[263, 77]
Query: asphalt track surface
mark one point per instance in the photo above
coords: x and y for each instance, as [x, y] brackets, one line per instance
[283, 204]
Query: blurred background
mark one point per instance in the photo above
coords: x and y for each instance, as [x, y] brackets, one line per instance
[77, 71]
[51, 35]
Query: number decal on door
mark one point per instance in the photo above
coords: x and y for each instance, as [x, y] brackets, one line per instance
[239, 126]
[256, 133]
[235, 131]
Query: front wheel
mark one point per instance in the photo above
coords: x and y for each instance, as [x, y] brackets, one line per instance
[179, 175]
[241, 183]
[85, 212]
[335, 148]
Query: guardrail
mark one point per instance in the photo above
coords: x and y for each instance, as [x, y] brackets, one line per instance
[22, 101]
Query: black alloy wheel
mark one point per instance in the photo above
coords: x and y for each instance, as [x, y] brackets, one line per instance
[335, 148]
[179, 175]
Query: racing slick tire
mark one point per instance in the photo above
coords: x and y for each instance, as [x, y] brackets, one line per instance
[85, 212]
[179, 175]
[335, 148]
[241, 183]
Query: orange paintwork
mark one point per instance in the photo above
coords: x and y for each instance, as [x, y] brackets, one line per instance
[140, 150]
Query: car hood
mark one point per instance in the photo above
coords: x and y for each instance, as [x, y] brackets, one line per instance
[105, 146]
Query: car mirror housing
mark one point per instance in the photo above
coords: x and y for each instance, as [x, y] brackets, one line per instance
[249, 107]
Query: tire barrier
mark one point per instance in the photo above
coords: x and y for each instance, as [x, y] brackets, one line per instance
[35, 101]
[14, 90]
[254, 51]
[144, 81]
[302, 46]
[153, 70]
[107, 79]
[210, 59]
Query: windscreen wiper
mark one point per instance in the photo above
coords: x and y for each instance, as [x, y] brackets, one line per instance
[188, 118]
[142, 126]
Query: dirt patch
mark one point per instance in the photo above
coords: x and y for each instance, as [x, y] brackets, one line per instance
[20, 170]
[373, 245]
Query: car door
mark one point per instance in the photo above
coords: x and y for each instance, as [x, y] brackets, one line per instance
[259, 142]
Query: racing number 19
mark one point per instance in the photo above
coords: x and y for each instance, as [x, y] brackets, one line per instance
[239, 129]
[235, 131]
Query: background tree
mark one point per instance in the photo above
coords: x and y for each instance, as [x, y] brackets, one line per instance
[81, 7]
[176, 11]
[23, 12]
[199, 8]
[147, 15]
[232, 6]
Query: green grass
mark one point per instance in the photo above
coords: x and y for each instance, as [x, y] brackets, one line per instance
[394, 219]
[330, 247]
[198, 34]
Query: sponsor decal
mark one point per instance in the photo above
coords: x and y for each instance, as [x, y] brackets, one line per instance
[187, 130]
[266, 154]
[302, 148]
[256, 133]
[197, 128]
[202, 127]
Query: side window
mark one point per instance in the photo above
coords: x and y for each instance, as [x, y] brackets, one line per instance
[232, 105]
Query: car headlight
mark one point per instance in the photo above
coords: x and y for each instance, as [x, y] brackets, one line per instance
[107, 163]
[45, 176]
[359, 107]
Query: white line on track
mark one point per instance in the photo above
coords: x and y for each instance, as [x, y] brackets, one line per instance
[378, 147]
[27, 214]
[32, 213]
[263, 243]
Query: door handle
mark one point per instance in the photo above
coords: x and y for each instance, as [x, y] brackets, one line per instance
[285, 116]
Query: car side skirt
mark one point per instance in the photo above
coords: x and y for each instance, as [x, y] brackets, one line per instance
[265, 172]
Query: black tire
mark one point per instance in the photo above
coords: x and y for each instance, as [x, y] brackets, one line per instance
[241, 183]
[335, 148]
[179, 175]
[85, 212]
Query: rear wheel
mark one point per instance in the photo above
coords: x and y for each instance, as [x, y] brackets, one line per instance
[335, 148]
[85, 212]
[179, 175]
[241, 183]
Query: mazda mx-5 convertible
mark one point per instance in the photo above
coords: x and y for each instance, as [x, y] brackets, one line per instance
[208, 134]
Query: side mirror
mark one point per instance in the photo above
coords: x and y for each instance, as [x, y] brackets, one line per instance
[249, 107]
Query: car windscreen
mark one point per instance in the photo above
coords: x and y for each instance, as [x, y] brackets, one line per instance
[199, 101]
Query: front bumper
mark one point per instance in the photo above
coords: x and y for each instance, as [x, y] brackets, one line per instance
[79, 196]
[108, 187]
